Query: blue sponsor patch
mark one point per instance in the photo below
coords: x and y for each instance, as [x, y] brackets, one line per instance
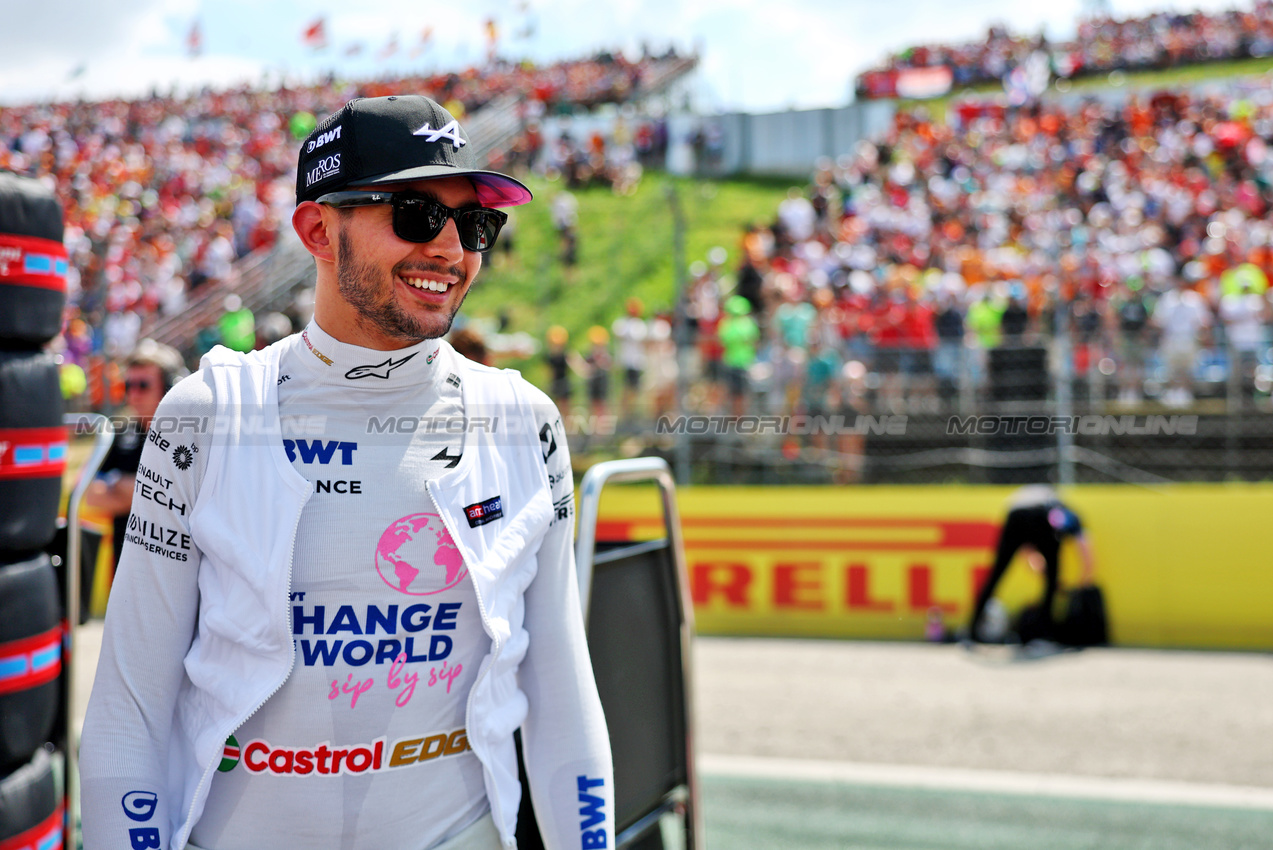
[591, 814]
[484, 512]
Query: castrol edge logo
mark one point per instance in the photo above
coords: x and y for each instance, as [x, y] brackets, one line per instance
[263, 758]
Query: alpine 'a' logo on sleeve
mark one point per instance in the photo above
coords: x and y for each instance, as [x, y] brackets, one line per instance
[379, 370]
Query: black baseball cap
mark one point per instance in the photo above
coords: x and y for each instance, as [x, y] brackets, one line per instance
[374, 141]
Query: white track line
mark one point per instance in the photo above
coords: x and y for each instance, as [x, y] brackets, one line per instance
[989, 781]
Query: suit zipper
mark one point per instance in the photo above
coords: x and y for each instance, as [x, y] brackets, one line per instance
[496, 645]
[291, 663]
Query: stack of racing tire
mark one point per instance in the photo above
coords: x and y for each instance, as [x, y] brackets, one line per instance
[33, 443]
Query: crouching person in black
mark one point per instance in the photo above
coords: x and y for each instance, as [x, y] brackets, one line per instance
[1037, 522]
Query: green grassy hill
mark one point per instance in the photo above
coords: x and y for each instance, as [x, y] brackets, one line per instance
[625, 248]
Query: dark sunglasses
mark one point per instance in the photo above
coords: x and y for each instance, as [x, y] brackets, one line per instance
[129, 386]
[421, 219]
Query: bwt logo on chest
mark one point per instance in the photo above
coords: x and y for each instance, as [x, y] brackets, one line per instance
[330, 136]
[321, 451]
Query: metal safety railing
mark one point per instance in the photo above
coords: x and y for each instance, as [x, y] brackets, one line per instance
[104, 434]
[684, 798]
[636, 470]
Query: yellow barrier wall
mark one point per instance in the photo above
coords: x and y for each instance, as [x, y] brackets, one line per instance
[1183, 566]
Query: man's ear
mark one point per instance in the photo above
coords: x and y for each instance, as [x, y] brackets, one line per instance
[315, 231]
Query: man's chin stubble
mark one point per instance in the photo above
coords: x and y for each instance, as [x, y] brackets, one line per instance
[386, 317]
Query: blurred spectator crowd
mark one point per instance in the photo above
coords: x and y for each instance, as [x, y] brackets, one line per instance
[163, 194]
[1101, 45]
[1136, 234]
[611, 153]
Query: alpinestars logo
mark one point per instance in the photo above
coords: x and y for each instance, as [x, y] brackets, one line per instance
[452, 460]
[450, 131]
[379, 370]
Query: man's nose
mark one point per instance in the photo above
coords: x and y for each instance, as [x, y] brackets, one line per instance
[446, 245]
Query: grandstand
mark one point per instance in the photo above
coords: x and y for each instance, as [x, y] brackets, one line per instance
[1101, 257]
[174, 204]
[1006, 287]
[1102, 44]
[1101, 260]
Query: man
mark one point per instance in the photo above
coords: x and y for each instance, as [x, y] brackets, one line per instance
[631, 336]
[150, 371]
[347, 605]
[1037, 523]
[1183, 317]
[1244, 314]
[948, 360]
[1132, 317]
[739, 335]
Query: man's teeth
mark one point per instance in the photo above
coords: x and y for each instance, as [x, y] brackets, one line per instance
[432, 285]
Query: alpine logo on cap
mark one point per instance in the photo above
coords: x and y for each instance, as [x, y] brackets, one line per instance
[450, 131]
[379, 370]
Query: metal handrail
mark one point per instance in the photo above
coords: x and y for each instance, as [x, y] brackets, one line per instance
[495, 127]
[664, 76]
[633, 471]
[206, 303]
[104, 435]
[258, 279]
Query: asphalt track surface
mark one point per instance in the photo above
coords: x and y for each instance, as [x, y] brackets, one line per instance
[833, 744]
[864, 745]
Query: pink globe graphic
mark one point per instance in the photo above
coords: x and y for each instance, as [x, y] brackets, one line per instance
[417, 556]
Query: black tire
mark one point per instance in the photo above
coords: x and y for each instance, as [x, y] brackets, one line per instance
[29, 805]
[31, 638]
[32, 450]
[32, 291]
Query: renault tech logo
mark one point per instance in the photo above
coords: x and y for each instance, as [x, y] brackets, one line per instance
[450, 131]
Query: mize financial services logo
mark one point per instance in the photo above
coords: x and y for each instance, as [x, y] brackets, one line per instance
[1090, 425]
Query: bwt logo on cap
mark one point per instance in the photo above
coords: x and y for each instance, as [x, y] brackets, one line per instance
[330, 136]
